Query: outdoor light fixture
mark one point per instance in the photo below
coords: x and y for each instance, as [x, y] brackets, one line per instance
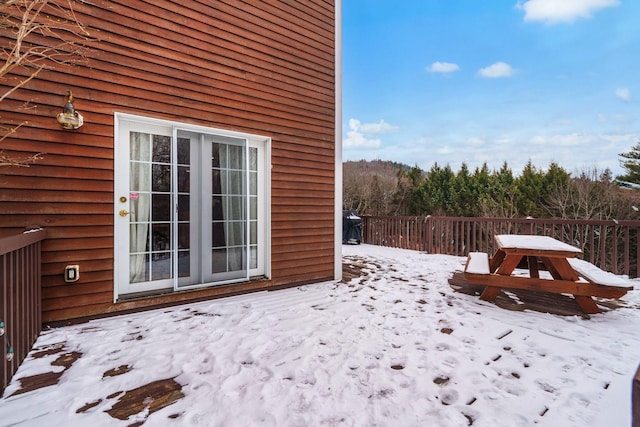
[70, 118]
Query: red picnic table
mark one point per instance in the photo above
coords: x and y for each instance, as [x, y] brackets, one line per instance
[569, 275]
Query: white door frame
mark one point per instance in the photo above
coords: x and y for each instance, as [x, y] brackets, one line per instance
[122, 123]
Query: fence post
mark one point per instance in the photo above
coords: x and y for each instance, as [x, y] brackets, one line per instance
[429, 244]
[447, 235]
[20, 306]
[635, 400]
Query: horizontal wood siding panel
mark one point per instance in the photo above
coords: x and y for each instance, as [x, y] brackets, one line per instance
[19, 195]
[87, 276]
[53, 271]
[293, 275]
[297, 248]
[151, 302]
[92, 241]
[81, 300]
[76, 288]
[262, 67]
[51, 183]
[41, 170]
[52, 222]
[80, 208]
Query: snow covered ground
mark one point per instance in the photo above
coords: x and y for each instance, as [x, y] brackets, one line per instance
[394, 347]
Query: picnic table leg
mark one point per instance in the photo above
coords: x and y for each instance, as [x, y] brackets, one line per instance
[560, 269]
[533, 267]
[587, 304]
[496, 260]
[509, 264]
[490, 293]
[502, 264]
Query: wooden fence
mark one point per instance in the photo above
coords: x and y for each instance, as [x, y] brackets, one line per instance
[635, 400]
[611, 245]
[20, 305]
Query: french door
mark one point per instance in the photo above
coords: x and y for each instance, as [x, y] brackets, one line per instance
[190, 207]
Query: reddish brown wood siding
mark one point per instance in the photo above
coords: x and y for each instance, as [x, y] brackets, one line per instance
[262, 67]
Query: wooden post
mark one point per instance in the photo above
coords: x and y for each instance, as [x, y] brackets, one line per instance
[635, 400]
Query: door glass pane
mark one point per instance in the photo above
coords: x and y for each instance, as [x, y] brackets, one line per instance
[139, 268]
[161, 207]
[183, 235]
[253, 232]
[236, 182]
[139, 173]
[228, 210]
[217, 234]
[184, 263]
[253, 251]
[184, 169]
[184, 151]
[150, 215]
[234, 207]
[161, 266]
[253, 183]
[253, 159]
[161, 237]
[184, 181]
[219, 260]
[219, 157]
[253, 208]
[235, 233]
[161, 178]
[139, 149]
[236, 157]
[161, 149]
[236, 259]
[184, 208]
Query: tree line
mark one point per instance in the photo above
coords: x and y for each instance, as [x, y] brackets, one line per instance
[382, 188]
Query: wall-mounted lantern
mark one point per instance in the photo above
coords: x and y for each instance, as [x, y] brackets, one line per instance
[70, 118]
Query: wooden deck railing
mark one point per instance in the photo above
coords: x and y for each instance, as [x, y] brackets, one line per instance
[635, 400]
[611, 245]
[20, 305]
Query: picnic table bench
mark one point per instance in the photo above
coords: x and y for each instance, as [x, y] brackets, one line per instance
[569, 275]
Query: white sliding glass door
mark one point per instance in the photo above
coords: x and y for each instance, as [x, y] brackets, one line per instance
[190, 207]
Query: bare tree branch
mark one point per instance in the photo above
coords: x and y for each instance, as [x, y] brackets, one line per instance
[43, 34]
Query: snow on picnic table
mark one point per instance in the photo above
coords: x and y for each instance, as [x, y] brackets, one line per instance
[394, 347]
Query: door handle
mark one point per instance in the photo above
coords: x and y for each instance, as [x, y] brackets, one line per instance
[124, 212]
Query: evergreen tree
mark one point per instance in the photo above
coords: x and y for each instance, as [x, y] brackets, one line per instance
[433, 197]
[556, 179]
[630, 162]
[498, 200]
[529, 191]
[463, 200]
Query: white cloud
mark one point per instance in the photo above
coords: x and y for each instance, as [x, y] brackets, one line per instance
[619, 139]
[359, 135]
[475, 141]
[443, 67]
[497, 70]
[380, 127]
[624, 94]
[445, 150]
[570, 139]
[556, 11]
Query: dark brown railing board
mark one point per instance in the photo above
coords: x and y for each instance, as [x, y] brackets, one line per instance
[20, 307]
[635, 399]
[612, 245]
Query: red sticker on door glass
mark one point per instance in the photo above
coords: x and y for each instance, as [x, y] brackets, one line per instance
[133, 196]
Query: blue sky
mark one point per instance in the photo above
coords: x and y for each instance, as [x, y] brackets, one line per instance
[474, 81]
